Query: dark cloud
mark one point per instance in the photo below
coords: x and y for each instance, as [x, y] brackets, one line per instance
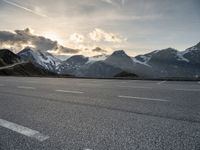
[98, 49]
[22, 38]
[64, 50]
[9, 37]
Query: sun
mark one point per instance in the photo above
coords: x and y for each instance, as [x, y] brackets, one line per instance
[53, 36]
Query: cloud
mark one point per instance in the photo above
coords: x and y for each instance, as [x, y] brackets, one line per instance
[22, 38]
[24, 8]
[77, 38]
[134, 18]
[61, 50]
[115, 2]
[99, 35]
[108, 1]
[98, 49]
[96, 41]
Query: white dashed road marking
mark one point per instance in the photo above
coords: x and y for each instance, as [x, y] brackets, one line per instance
[143, 98]
[136, 87]
[26, 87]
[124, 82]
[74, 92]
[161, 82]
[91, 84]
[189, 90]
[23, 130]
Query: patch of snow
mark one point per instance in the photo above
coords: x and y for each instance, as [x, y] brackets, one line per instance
[181, 56]
[96, 58]
[182, 53]
[194, 48]
[45, 59]
[146, 59]
[42, 58]
[156, 51]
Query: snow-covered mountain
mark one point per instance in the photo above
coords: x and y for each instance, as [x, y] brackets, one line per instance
[13, 64]
[40, 58]
[169, 63]
[160, 56]
[72, 64]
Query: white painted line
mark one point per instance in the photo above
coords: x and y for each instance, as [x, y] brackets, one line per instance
[161, 82]
[189, 90]
[23, 130]
[91, 84]
[136, 87]
[26, 87]
[143, 98]
[74, 92]
[31, 81]
[124, 82]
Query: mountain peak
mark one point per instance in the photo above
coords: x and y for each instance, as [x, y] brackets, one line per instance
[26, 49]
[119, 53]
[120, 59]
[170, 49]
[5, 51]
[7, 57]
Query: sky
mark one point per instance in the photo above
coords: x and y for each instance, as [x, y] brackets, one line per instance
[93, 27]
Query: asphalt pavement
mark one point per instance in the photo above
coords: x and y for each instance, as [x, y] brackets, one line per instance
[96, 114]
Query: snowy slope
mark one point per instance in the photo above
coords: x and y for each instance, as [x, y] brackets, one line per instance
[72, 64]
[97, 58]
[144, 62]
[192, 54]
[40, 58]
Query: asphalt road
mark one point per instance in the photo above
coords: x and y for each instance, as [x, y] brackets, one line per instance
[84, 114]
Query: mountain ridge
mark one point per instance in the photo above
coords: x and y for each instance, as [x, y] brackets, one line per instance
[162, 63]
